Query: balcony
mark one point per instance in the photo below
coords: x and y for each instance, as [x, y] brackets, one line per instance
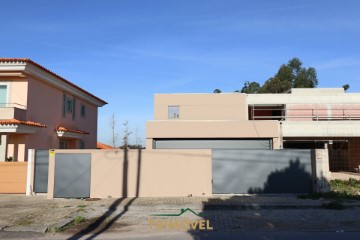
[305, 112]
[12, 111]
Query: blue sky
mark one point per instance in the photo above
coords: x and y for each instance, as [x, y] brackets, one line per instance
[124, 51]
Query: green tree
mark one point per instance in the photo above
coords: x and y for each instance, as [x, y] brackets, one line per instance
[251, 87]
[346, 87]
[217, 91]
[290, 75]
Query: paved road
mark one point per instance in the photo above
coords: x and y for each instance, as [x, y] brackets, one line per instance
[39, 213]
[249, 235]
[137, 221]
[240, 217]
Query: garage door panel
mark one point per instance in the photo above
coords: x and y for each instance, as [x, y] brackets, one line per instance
[261, 171]
[212, 144]
[72, 175]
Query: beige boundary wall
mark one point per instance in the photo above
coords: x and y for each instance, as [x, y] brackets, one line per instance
[162, 173]
[13, 177]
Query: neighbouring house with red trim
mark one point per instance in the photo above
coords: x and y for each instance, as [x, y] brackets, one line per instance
[41, 110]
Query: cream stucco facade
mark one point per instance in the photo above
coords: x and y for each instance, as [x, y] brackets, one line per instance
[321, 118]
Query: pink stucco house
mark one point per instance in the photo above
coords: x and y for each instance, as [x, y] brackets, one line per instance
[41, 110]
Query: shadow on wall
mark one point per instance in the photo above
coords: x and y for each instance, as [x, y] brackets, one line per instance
[292, 179]
[105, 221]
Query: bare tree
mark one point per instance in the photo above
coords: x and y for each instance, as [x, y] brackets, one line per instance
[113, 126]
[126, 134]
[138, 143]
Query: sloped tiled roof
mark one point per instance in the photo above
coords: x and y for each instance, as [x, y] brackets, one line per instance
[100, 145]
[64, 129]
[19, 122]
[27, 60]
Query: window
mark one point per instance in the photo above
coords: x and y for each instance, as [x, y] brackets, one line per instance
[81, 144]
[3, 95]
[173, 112]
[73, 109]
[82, 110]
[64, 105]
[69, 105]
[64, 144]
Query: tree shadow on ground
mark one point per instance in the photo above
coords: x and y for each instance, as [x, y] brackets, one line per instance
[101, 224]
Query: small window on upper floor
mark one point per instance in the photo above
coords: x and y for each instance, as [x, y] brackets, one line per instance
[3, 95]
[81, 144]
[69, 105]
[173, 112]
[82, 110]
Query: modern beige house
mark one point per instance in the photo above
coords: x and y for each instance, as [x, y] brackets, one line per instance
[41, 110]
[300, 119]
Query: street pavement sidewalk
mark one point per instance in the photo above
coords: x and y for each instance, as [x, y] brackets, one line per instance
[38, 214]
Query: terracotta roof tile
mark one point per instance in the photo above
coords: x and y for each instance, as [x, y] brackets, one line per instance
[27, 60]
[64, 129]
[100, 145]
[19, 122]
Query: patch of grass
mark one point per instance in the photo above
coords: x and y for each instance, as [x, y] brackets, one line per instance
[54, 230]
[78, 219]
[349, 187]
[108, 219]
[25, 222]
[81, 207]
[339, 190]
[67, 206]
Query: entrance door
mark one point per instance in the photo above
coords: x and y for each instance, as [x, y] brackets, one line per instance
[41, 171]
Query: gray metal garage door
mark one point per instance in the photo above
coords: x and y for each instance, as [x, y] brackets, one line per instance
[72, 175]
[261, 171]
[41, 171]
[212, 144]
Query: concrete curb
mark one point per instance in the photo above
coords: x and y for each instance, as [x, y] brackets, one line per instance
[62, 224]
[37, 229]
[201, 207]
